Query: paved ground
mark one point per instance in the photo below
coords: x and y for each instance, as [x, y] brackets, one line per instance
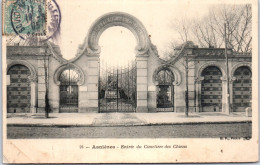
[201, 130]
[123, 119]
[128, 125]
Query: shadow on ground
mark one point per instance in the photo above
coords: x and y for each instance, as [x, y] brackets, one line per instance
[43, 117]
[191, 116]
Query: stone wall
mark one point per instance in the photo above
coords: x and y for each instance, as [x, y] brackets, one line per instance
[147, 67]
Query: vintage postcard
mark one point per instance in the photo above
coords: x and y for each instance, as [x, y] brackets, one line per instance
[130, 81]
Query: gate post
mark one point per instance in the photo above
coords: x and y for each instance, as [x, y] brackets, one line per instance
[33, 96]
[198, 94]
[142, 86]
[225, 105]
[92, 86]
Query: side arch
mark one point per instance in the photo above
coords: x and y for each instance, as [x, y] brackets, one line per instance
[66, 66]
[117, 19]
[174, 70]
[204, 66]
[33, 82]
[241, 86]
[235, 67]
[33, 76]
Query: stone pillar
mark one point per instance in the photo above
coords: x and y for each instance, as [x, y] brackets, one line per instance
[83, 101]
[91, 94]
[191, 86]
[231, 93]
[198, 94]
[54, 95]
[142, 85]
[152, 97]
[41, 87]
[33, 96]
[225, 106]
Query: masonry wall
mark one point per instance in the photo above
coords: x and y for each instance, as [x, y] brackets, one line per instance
[33, 57]
[54, 90]
[219, 62]
[153, 63]
[88, 91]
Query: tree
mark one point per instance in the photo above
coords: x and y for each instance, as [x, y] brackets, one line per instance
[183, 58]
[169, 52]
[46, 81]
[184, 61]
[208, 31]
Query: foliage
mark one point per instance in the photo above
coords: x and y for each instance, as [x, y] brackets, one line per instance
[208, 31]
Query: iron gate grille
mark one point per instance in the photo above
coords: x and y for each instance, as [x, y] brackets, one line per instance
[165, 98]
[69, 91]
[117, 89]
[165, 91]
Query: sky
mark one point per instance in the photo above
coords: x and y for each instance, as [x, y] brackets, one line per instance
[118, 43]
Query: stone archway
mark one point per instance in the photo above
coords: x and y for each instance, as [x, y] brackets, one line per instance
[32, 79]
[211, 89]
[92, 50]
[67, 66]
[68, 91]
[117, 19]
[241, 86]
[201, 78]
[176, 72]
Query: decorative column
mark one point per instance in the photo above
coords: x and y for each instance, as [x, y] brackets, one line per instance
[142, 85]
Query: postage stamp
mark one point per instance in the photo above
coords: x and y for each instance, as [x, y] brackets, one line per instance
[25, 18]
[31, 19]
[7, 7]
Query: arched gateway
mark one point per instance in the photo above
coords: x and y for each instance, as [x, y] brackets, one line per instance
[117, 19]
[92, 50]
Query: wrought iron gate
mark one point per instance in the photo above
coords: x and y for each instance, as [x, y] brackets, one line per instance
[117, 89]
[69, 91]
[165, 98]
[165, 90]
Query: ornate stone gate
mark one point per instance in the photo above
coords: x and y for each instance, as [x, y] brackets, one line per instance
[92, 50]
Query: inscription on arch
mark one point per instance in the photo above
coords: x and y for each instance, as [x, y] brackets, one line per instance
[118, 19]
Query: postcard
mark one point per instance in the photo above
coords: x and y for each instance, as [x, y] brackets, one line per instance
[139, 81]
